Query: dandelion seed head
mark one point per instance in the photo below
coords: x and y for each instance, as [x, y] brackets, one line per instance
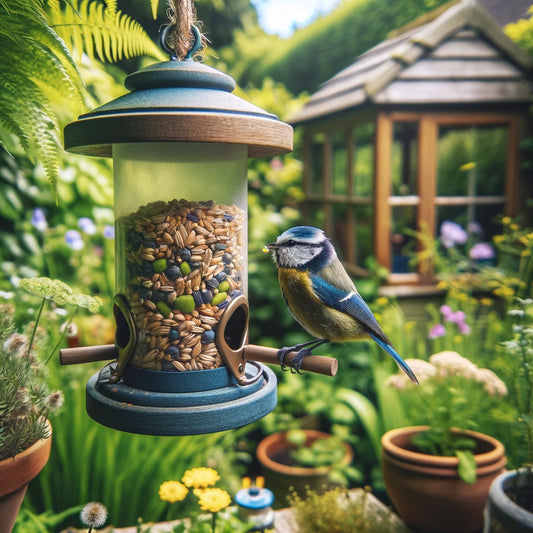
[94, 514]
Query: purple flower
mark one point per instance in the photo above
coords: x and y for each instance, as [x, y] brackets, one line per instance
[73, 239]
[109, 231]
[475, 228]
[38, 219]
[438, 330]
[458, 317]
[463, 328]
[452, 234]
[482, 251]
[446, 311]
[87, 225]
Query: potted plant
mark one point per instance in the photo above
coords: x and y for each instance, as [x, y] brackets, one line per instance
[304, 458]
[510, 505]
[438, 474]
[26, 401]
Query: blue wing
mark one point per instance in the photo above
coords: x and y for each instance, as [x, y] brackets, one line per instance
[350, 303]
[353, 304]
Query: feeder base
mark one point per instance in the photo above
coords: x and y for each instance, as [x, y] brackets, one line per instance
[134, 410]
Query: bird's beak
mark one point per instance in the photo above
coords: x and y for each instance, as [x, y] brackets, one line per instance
[269, 247]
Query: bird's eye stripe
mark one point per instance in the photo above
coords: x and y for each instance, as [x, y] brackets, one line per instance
[302, 243]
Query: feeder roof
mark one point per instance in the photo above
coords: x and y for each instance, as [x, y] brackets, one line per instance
[460, 58]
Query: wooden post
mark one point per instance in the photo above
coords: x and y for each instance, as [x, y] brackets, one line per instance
[382, 190]
[427, 183]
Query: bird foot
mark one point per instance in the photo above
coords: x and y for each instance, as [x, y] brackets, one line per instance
[296, 362]
[282, 355]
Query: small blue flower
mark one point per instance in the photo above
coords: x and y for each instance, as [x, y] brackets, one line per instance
[482, 251]
[87, 225]
[452, 234]
[38, 219]
[73, 239]
[109, 232]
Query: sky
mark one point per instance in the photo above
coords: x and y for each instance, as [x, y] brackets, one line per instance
[282, 16]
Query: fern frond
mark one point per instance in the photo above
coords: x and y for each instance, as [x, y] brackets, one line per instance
[102, 31]
[26, 114]
[154, 4]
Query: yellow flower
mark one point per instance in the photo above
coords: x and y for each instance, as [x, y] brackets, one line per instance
[486, 301]
[212, 499]
[382, 301]
[504, 292]
[506, 220]
[468, 166]
[200, 477]
[514, 227]
[173, 491]
[498, 238]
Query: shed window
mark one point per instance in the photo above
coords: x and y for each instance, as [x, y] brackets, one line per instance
[317, 163]
[363, 160]
[471, 169]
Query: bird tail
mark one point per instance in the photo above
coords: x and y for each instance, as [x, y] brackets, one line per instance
[394, 354]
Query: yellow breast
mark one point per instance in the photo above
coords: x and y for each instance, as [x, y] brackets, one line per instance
[318, 319]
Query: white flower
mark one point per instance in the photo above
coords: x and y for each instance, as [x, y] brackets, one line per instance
[450, 363]
[422, 369]
[94, 514]
[491, 382]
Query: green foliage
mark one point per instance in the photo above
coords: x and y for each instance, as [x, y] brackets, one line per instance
[30, 522]
[314, 54]
[36, 67]
[26, 401]
[337, 511]
[33, 228]
[97, 29]
[90, 462]
[226, 522]
[520, 372]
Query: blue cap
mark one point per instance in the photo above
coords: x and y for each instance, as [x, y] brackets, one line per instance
[254, 498]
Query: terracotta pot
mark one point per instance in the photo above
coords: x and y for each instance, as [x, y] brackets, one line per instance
[426, 489]
[281, 478]
[503, 514]
[15, 474]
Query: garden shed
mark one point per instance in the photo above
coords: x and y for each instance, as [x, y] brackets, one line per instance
[424, 127]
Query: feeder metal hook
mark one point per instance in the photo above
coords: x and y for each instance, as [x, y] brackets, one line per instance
[167, 37]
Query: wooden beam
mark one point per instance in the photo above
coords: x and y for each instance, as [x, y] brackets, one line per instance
[351, 245]
[382, 190]
[427, 183]
[328, 181]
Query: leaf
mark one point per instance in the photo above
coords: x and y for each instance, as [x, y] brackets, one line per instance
[367, 413]
[101, 30]
[467, 466]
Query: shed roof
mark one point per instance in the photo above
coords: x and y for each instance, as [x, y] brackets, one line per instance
[461, 57]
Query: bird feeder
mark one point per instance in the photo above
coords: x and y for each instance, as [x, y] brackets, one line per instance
[180, 142]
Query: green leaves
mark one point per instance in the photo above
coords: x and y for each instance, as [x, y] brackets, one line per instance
[35, 66]
[101, 31]
[467, 466]
[60, 293]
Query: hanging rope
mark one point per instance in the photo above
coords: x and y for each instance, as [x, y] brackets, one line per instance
[182, 16]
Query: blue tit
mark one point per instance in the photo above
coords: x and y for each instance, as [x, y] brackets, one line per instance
[321, 296]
